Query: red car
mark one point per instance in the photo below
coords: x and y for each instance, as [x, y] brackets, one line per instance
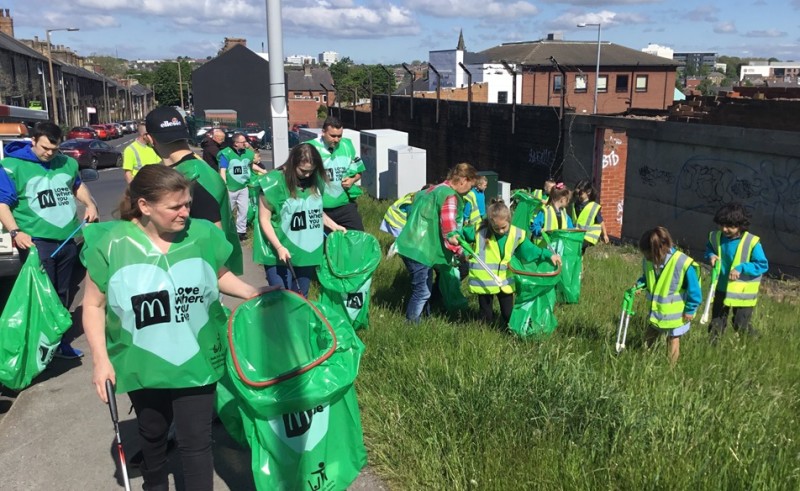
[113, 132]
[82, 132]
[102, 132]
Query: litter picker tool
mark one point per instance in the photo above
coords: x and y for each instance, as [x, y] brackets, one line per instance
[294, 275]
[625, 316]
[112, 406]
[480, 261]
[67, 239]
[710, 300]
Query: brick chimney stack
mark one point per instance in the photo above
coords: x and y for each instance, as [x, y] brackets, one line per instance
[6, 23]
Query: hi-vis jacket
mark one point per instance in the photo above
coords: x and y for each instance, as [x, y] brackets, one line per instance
[488, 249]
[396, 216]
[744, 291]
[586, 220]
[666, 294]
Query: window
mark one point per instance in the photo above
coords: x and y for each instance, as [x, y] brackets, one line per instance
[325, 98]
[602, 83]
[502, 97]
[641, 83]
[557, 83]
[580, 83]
[622, 83]
[298, 95]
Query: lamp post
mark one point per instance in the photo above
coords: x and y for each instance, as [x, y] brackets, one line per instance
[597, 67]
[54, 105]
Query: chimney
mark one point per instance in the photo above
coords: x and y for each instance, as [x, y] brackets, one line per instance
[307, 69]
[6, 23]
[555, 36]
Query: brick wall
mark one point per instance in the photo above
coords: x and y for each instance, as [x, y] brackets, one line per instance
[303, 111]
[609, 169]
[480, 93]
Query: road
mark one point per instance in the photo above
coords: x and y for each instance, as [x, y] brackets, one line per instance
[57, 434]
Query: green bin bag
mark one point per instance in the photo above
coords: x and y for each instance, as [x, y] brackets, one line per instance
[346, 274]
[448, 280]
[567, 243]
[535, 297]
[252, 205]
[31, 325]
[525, 209]
[288, 392]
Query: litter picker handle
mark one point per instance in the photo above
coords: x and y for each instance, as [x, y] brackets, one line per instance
[711, 291]
[112, 401]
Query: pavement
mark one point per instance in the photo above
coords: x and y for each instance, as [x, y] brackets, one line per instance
[57, 434]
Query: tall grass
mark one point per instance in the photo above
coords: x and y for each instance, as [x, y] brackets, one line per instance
[455, 404]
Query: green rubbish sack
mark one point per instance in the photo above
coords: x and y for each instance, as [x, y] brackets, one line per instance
[535, 297]
[525, 209]
[31, 325]
[567, 243]
[449, 283]
[350, 259]
[288, 392]
[252, 204]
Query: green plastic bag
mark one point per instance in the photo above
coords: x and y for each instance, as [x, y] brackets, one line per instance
[525, 209]
[31, 325]
[252, 205]
[567, 243]
[288, 392]
[449, 282]
[535, 285]
[346, 274]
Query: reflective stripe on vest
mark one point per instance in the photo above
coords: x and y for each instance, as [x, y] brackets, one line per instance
[586, 220]
[488, 250]
[551, 219]
[664, 294]
[744, 291]
[138, 158]
[539, 194]
[395, 216]
[474, 218]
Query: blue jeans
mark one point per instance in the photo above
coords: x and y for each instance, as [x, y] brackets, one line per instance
[281, 276]
[421, 287]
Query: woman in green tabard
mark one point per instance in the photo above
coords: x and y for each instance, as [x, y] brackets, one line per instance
[153, 319]
[291, 220]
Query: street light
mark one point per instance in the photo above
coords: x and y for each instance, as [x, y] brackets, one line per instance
[597, 67]
[50, 64]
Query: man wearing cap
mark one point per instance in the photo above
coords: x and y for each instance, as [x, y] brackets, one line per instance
[168, 134]
[138, 154]
[344, 169]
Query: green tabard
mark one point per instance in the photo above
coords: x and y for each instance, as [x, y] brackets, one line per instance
[342, 163]
[237, 174]
[165, 325]
[421, 238]
[198, 170]
[46, 206]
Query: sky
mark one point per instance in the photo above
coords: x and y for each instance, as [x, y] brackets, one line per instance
[394, 31]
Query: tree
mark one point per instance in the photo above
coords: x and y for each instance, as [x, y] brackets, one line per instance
[165, 83]
[109, 66]
[349, 77]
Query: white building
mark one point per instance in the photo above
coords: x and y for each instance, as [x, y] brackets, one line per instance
[300, 60]
[446, 62]
[776, 70]
[328, 57]
[658, 50]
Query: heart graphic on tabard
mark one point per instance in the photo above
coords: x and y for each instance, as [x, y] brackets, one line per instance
[243, 175]
[335, 167]
[301, 222]
[159, 311]
[302, 431]
[50, 197]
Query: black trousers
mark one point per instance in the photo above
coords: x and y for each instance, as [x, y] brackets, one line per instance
[720, 313]
[192, 411]
[346, 215]
[506, 301]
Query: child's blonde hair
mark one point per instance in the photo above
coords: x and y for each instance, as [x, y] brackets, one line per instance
[497, 209]
[558, 192]
[462, 171]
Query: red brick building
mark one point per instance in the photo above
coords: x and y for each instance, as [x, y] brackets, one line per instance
[308, 89]
[629, 79]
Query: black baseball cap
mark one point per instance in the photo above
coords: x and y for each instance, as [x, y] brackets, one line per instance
[166, 125]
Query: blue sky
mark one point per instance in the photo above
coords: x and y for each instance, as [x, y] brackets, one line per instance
[394, 31]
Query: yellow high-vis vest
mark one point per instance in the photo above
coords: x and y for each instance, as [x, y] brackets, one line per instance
[551, 219]
[586, 220]
[487, 248]
[395, 217]
[666, 294]
[744, 291]
[474, 219]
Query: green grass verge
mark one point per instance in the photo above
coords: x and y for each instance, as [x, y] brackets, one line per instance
[454, 404]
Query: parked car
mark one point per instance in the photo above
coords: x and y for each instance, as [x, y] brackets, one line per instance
[92, 154]
[102, 132]
[82, 132]
[253, 138]
[128, 126]
[266, 140]
[113, 132]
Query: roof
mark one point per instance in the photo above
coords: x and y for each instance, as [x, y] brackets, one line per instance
[297, 79]
[572, 53]
[9, 43]
[420, 85]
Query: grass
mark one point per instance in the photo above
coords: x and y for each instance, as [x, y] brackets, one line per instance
[454, 404]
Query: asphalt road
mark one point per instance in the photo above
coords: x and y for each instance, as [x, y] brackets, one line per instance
[57, 434]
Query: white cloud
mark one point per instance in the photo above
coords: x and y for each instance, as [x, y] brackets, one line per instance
[725, 28]
[605, 18]
[593, 3]
[766, 33]
[325, 19]
[473, 8]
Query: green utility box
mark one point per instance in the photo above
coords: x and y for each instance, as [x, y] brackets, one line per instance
[492, 188]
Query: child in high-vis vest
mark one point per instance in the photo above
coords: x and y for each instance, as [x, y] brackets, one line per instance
[672, 281]
[396, 216]
[554, 215]
[586, 215]
[743, 264]
[496, 241]
[430, 237]
[475, 203]
[544, 193]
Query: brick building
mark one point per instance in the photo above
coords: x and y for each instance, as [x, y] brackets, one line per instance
[307, 90]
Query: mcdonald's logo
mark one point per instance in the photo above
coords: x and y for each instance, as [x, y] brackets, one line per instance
[151, 308]
[47, 199]
[298, 221]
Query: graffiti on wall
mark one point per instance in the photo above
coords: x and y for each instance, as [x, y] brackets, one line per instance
[610, 159]
[620, 210]
[542, 157]
[654, 177]
[769, 189]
